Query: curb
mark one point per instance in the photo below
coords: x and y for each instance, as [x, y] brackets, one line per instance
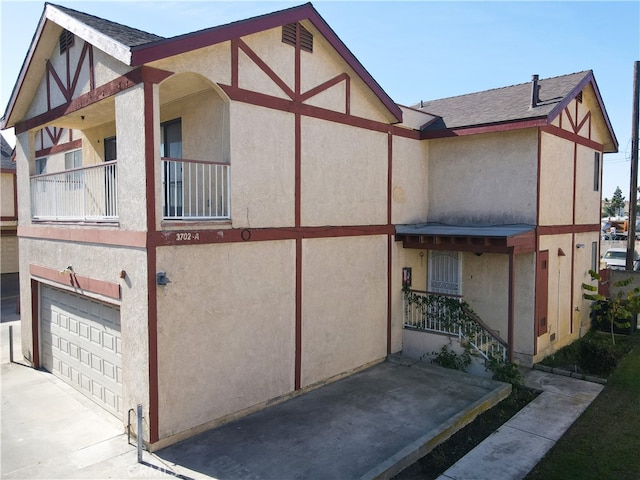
[567, 373]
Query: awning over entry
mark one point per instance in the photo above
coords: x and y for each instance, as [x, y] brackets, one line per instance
[517, 238]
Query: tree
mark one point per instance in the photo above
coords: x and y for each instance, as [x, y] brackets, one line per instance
[617, 310]
[617, 201]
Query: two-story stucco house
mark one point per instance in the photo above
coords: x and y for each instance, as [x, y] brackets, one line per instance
[216, 221]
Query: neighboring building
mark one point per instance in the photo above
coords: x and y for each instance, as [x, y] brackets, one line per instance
[9, 211]
[207, 223]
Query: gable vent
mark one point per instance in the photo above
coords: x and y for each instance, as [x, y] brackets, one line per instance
[579, 97]
[289, 37]
[66, 41]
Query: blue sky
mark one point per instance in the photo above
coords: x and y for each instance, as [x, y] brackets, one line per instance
[418, 50]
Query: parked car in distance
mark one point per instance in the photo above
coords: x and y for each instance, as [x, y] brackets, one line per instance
[616, 259]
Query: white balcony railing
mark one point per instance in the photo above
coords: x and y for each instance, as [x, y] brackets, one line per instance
[194, 189]
[80, 194]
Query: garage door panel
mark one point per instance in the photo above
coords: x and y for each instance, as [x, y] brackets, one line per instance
[80, 342]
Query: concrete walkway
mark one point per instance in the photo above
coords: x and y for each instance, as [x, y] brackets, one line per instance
[517, 446]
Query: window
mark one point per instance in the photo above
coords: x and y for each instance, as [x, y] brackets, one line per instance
[66, 41]
[594, 256]
[110, 150]
[73, 159]
[171, 147]
[596, 171]
[41, 166]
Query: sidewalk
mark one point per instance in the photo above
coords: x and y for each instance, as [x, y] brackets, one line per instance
[516, 447]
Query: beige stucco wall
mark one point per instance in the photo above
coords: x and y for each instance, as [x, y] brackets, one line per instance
[587, 203]
[226, 330]
[93, 142]
[556, 180]
[560, 287]
[262, 167]
[204, 116]
[344, 322]
[100, 263]
[353, 166]
[7, 201]
[488, 178]
[410, 179]
[9, 254]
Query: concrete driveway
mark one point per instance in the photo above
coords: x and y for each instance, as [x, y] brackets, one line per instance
[369, 425]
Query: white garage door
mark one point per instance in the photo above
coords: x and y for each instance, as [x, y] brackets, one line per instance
[80, 343]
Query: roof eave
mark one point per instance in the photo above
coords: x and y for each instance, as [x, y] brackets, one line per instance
[588, 79]
[486, 128]
[98, 39]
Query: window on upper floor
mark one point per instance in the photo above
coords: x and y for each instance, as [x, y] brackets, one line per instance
[73, 159]
[594, 256]
[41, 166]
[596, 171]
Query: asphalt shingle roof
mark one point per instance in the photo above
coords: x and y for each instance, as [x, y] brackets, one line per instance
[128, 36]
[6, 151]
[501, 104]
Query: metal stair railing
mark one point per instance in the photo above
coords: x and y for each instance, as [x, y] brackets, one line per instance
[451, 315]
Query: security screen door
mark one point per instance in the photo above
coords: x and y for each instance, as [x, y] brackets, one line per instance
[444, 272]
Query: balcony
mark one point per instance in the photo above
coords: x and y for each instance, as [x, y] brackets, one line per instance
[191, 190]
[195, 190]
[86, 194]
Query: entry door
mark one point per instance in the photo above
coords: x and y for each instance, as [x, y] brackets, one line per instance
[542, 292]
[445, 272]
[171, 147]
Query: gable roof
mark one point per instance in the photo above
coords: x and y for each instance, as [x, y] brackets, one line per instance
[512, 104]
[135, 47]
[6, 153]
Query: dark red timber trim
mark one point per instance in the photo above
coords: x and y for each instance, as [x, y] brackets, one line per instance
[298, 327]
[573, 274]
[10, 232]
[566, 229]
[152, 325]
[265, 68]
[51, 72]
[78, 282]
[35, 320]
[92, 73]
[130, 79]
[343, 77]
[553, 130]
[298, 170]
[297, 65]
[570, 118]
[235, 235]
[495, 127]
[64, 147]
[234, 63]
[586, 118]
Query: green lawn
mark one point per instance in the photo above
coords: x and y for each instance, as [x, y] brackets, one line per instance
[604, 442]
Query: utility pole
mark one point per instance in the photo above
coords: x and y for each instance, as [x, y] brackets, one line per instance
[633, 197]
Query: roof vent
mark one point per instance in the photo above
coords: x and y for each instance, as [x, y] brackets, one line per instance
[289, 37]
[535, 91]
[66, 41]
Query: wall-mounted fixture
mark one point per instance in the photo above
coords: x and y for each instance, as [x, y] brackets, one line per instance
[123, 274]
[162, 279]
[67, 271]
[561, 253]
[478, 254]
[579, 245]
